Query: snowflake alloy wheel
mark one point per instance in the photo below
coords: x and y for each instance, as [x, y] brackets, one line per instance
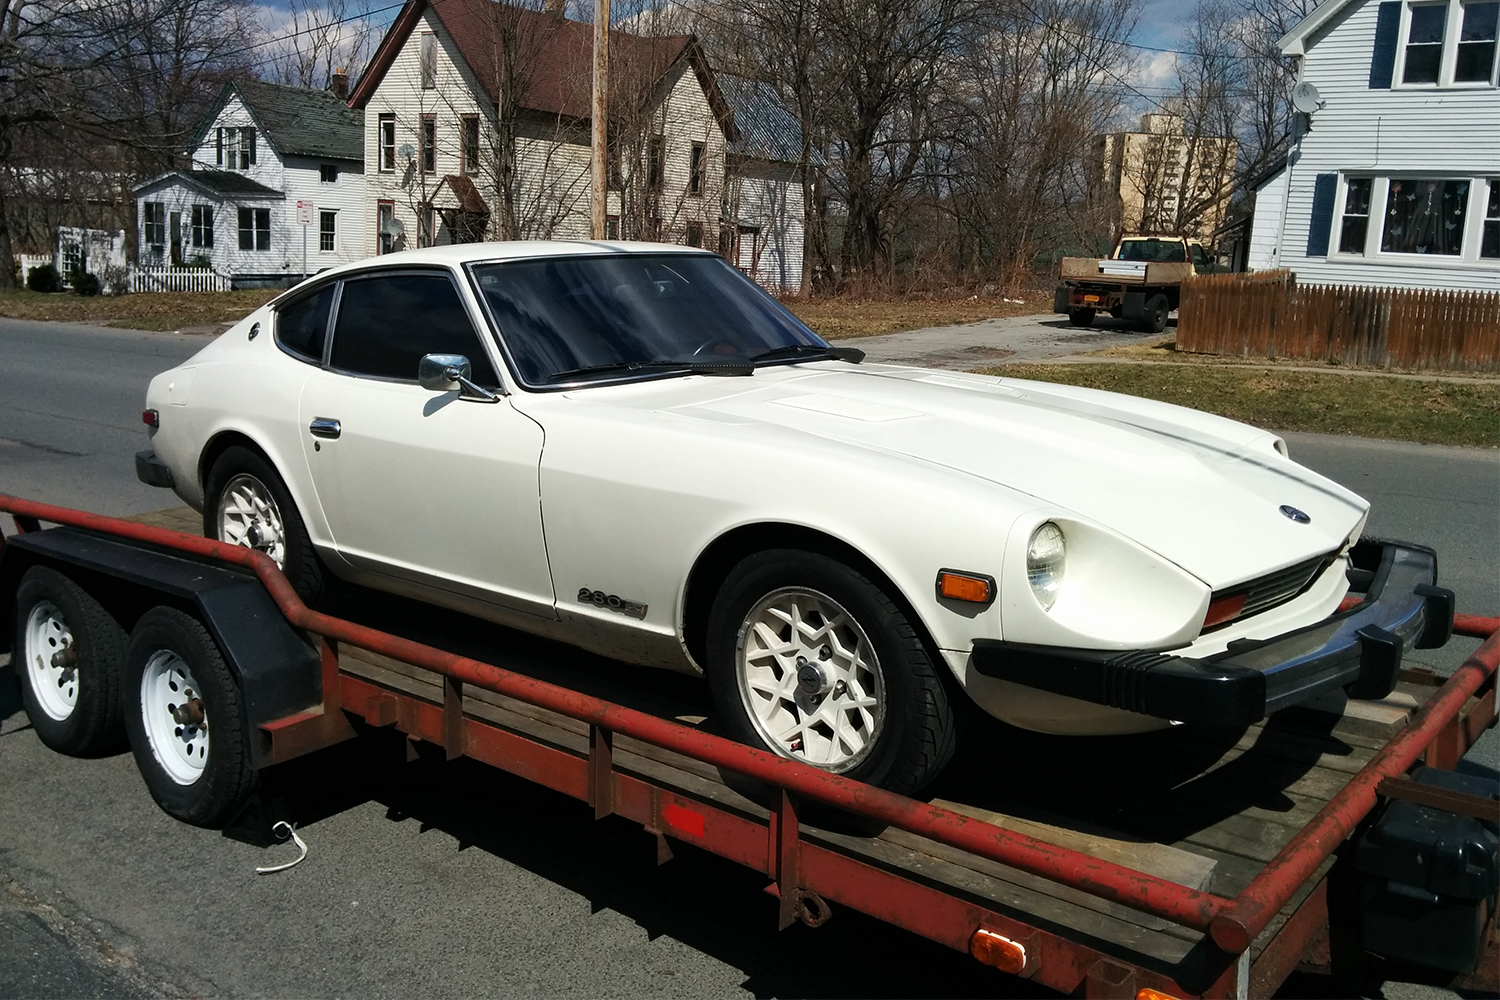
[248, 516]
[810, 679]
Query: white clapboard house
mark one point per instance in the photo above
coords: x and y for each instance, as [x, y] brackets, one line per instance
[1395, 180]
[261, 150]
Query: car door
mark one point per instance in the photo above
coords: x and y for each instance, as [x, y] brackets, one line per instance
[425, 486]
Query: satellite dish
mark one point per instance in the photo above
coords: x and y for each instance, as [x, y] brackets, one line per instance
[407, 151]
[1305, 98]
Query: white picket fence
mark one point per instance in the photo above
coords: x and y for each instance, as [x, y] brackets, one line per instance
[28, 261]
[177, 279]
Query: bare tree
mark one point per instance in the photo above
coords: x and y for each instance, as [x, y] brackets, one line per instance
[318, 38]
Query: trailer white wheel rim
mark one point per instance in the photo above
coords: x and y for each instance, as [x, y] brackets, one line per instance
[810, 680]
[51, 663]
[248, 516]
[176, 721]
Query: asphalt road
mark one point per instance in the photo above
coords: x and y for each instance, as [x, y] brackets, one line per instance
[453, 879]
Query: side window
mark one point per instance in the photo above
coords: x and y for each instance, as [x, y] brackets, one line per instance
[1200, 259]
[387, 322]
[301, 326]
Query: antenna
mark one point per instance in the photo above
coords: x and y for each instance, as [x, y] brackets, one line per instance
[1305, 98]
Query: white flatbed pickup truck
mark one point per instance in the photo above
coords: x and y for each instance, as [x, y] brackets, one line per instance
[1140, 281]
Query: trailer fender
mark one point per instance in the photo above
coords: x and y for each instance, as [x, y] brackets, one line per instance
[276, 668]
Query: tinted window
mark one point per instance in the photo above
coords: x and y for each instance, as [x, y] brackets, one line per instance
[386, 323]
[563, 314]
[1161, 251]
[301, 326]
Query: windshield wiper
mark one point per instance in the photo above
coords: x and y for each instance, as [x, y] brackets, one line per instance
[853, 355]
[735, 367]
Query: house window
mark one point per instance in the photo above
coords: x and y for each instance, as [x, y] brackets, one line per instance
[1489, 241]
[327, 231]
[611, 227]
[695, 174]
[1425, 216]
[1476, 43]
[255, 229]
[615, 177]
[235, 148]
[695, 234]
[328, 173]
[428, 135]
[471, 143]
[387, 142]
[429, 60]
[203, 227]
[654, 163]
[385, 227]
[219, 147]
[1356, 222]
[1424, 43]
[155, 225]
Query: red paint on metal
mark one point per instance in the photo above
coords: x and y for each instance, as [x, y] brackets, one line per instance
[1475, 626]
[683, 820]
[1236, 926]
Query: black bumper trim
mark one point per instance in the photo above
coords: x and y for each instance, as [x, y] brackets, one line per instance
[1359, 650]
[151, 470]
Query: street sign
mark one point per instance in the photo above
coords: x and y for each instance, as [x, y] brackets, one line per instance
[304, 213]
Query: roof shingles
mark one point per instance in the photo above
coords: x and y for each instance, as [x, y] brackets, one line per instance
[300, 121]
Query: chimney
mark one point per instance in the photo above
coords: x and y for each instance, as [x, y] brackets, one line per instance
[558, 9]
[339, 84]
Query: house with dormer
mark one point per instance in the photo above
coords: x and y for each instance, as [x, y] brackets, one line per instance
[1394, 179]
[274, 188]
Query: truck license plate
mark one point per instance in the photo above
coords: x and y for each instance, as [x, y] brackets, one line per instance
[1091, 298]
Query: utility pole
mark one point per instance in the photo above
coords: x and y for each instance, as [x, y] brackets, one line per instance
[599, 189]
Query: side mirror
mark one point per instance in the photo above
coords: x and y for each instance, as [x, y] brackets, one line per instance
[446, 372]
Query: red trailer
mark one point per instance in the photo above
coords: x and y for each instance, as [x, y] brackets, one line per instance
[1240, 833]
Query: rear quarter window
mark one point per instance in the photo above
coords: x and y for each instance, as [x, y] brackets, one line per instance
[302, 326]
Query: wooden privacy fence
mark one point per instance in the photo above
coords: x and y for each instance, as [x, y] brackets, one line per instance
[177, 279]
[1267, 314]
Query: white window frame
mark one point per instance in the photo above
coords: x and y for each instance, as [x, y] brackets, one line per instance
[385, 126]
[1380, 187]
[1452, 30]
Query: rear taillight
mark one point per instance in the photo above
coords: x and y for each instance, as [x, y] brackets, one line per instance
[151, 418]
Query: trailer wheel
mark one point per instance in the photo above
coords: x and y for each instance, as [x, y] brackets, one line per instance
[68, 650]
[186, 720]
[1081, 317]
[810, 659]
[1157, 308]
[248, 504]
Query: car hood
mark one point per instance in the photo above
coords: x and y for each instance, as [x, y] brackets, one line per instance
[1199, 490]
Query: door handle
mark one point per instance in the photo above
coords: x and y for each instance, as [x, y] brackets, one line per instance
[325, 427]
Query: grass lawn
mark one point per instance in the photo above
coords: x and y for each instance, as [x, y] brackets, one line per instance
[142, 311]
[834, 318]
[1431, 412]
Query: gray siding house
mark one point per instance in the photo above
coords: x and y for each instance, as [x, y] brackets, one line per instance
[1395, 180]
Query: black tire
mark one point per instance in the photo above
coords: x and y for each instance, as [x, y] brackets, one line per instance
[224, 776]
[300, 562]
[917, 737]
[93, 724]
[1081, 317]
[1157, 308]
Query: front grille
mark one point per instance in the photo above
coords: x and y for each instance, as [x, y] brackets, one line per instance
[1274, 588]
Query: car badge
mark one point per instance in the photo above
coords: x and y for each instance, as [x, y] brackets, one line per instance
[1294, 514]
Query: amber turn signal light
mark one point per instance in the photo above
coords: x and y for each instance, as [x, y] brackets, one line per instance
[1149, 994]
[965, 587]
[150, 418]
[1001, 952]
[1224, 609]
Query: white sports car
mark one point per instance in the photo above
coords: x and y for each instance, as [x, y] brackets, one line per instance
[632, 448]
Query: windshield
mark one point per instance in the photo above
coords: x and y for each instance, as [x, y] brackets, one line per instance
[1160, 251]
[574, 318]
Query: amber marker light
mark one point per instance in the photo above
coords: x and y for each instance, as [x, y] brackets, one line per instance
[1149, 994]
[1224, 609]
[150, 418]
[969, 587]
[1001, 952]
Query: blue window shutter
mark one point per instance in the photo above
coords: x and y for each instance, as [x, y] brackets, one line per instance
[1321, 223]
[1383, 60]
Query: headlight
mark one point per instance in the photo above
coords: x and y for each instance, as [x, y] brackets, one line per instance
[1045, 560]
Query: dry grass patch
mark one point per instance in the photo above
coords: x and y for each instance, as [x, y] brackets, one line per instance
[141, 311]
[1431, 412]
[836, 318]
